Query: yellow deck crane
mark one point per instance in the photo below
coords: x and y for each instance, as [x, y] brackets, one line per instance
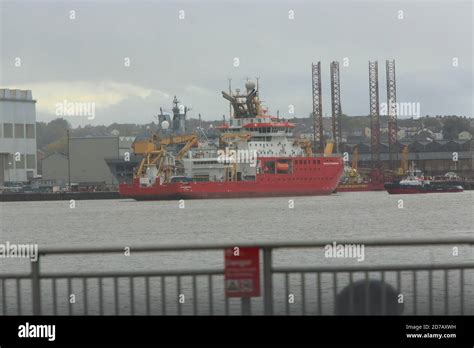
[226, 138]
[306, 145]
[328, 148]
[354, 170]
[154, 151]
[188, 140]
[151, 153]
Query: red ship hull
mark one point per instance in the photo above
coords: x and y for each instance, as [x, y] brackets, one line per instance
[310, 176]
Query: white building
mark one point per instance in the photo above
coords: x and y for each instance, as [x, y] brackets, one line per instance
[464, 135]
[17, 136]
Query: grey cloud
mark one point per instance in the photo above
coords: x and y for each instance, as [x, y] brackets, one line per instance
[170, 55]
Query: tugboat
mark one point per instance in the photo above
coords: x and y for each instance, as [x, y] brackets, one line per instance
[415, 182]
[256, 157]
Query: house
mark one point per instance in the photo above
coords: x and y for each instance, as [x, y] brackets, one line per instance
[464, 135]
[438, 135]
[367, 132]
[401, 134]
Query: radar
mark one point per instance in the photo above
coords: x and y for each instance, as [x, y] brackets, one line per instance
[165, 125]
[250, 86]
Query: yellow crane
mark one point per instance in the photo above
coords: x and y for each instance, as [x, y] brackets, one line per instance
[189, 141]
[149, 159]
[225, 138]
[354, 171]
[154, 151]
[404, 161]
[306, 145]
[329, 147]
[355, 158]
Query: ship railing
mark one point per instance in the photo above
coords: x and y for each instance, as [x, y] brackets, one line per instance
[427, 288]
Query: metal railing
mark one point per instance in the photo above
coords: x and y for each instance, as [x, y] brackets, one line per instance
[367, 288]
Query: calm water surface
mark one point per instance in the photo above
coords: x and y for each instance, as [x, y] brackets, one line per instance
[342, 216]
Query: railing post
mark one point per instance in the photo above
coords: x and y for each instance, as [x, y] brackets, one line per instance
[267, 281]
[246, 306]
[35, 286]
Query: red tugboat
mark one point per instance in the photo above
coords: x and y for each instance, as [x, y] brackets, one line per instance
[256, 157]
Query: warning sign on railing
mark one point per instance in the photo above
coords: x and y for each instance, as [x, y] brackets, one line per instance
[242, 272]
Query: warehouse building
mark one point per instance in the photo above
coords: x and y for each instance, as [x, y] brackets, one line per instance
[88, 165]
[432, 157]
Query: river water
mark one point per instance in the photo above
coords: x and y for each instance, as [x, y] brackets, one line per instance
[342, 216]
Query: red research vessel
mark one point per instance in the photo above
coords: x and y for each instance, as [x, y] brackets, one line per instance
[256, 157]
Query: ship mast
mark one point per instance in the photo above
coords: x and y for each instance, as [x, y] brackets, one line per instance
[246, 105]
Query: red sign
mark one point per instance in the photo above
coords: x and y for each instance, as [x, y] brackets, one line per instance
[242, 272]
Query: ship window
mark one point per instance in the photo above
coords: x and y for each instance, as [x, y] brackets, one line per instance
[269, 167]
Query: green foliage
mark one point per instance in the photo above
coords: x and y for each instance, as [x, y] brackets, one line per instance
[59, 145]
[452, 126]
[51, 132]
[354, 122]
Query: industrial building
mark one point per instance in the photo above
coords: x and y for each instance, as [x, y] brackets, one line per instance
[87, 162]
[17, 136]
[122, 166]
[432, 157]
[55, 168]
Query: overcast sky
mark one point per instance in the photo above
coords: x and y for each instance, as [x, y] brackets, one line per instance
[82, 59]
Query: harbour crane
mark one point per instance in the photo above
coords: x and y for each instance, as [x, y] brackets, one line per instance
[404, 162]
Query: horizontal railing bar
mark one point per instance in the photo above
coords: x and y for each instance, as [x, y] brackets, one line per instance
[132, 274]
[274, 245]
[362, 268]
[342, 268]
[7, 276]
